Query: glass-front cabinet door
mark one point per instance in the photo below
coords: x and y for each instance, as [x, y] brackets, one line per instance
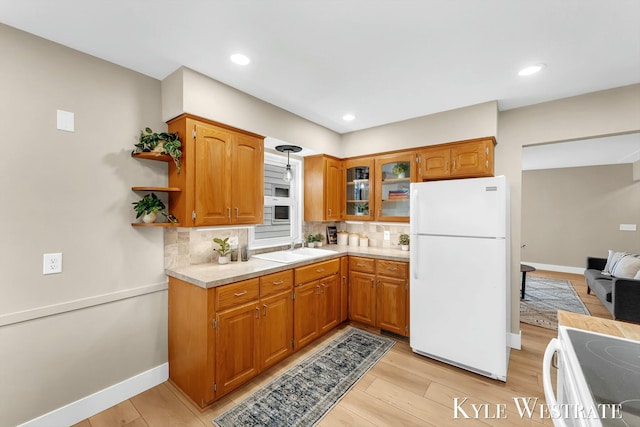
[358, 178]
[394, 173]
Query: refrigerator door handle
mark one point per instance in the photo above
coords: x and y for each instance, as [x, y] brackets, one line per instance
[414, 217]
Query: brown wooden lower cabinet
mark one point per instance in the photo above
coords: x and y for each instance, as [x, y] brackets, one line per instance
[379, 294]
[220, 338]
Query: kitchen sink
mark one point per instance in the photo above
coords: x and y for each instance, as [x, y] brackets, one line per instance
[288, 257]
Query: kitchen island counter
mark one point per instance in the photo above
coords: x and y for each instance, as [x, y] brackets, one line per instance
[212, 275]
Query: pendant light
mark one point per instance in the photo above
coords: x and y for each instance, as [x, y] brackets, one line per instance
[288, 149]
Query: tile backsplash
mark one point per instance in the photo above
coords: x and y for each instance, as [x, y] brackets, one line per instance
[190, 246]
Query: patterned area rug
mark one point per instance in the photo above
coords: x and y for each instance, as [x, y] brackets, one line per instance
[303, 394]
[544, 297]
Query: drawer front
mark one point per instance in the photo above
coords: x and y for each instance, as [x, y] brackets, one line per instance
[317, 271]
[396, 269]
[275, 283]
[363, 265]
[237, 293]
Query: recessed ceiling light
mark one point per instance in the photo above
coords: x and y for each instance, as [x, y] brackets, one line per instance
[348, 117]
[240, 59]
[531, 70]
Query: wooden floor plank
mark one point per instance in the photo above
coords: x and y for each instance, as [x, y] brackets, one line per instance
[123, 414]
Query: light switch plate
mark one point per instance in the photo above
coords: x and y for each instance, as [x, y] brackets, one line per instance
[628, 227]
[387, 235]
[52, 263]
[66, 121]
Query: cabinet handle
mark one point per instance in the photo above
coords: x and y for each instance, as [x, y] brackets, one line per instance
[392, 268]
[239, 294]
[237, 215]
[372, 284]
[454, 165]
[278, 282]
[446, 166]
[344, 279]
[329, 212]
[229, 213]
[265, 310]
[320, 270]
[258, 313]
[317, 289]
[359, 265]
[486, 164]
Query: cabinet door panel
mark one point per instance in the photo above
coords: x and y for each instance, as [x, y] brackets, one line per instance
[391, 305]
[394, 174]
[329, 303]
[276, 328]
[305, 314]
[247, 176]
[362, 298]
[434, 163]
[344, 288]
[236, 353]
[471, 159]
[211, 191]
[333, 190]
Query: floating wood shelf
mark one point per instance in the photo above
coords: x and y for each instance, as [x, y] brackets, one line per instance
[152, 156]
[165, 189]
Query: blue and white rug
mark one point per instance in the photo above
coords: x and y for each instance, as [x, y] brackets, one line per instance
[306, 392]
[544, 297]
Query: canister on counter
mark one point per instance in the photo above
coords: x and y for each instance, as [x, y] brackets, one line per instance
[354, 239]
[343, 238]
[364, 241]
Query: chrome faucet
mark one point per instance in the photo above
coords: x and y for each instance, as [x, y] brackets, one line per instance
[293, 244]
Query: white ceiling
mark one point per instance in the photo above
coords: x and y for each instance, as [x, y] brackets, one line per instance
[382, 60]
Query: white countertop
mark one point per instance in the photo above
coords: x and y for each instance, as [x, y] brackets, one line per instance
[212, 275]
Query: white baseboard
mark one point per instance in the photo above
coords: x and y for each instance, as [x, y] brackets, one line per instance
[99, 401]
[559, 268]
[515, 340]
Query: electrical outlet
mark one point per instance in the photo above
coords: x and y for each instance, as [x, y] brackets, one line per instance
[233, 241]
[52, 263]
[387, 235]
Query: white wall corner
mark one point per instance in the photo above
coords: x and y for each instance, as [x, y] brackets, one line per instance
[97, 402]
[515, 340]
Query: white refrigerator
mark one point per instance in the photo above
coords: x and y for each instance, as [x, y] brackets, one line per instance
[459, 287]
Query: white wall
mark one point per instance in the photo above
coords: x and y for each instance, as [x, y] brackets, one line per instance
[188, 91]
[104, 318]
[455, 125]
[595, 114]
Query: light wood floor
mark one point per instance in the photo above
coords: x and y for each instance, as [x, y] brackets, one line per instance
[402, 389]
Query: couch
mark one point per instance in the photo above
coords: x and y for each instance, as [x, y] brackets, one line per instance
[620, 296]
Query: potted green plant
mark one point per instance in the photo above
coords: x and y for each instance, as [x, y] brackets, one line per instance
[148, 208]
[311, 240]
[400, 169]
[362, 208]
[161, 143]
[403, 241]
[318, 239]
[224, 249]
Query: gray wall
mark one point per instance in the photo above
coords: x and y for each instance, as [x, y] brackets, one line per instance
[571, 213]
[104, 318]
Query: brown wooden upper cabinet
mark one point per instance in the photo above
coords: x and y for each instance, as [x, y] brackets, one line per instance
[323, 189]
[359, 190]
[465, 159]
[222, 174]
[394, 173]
